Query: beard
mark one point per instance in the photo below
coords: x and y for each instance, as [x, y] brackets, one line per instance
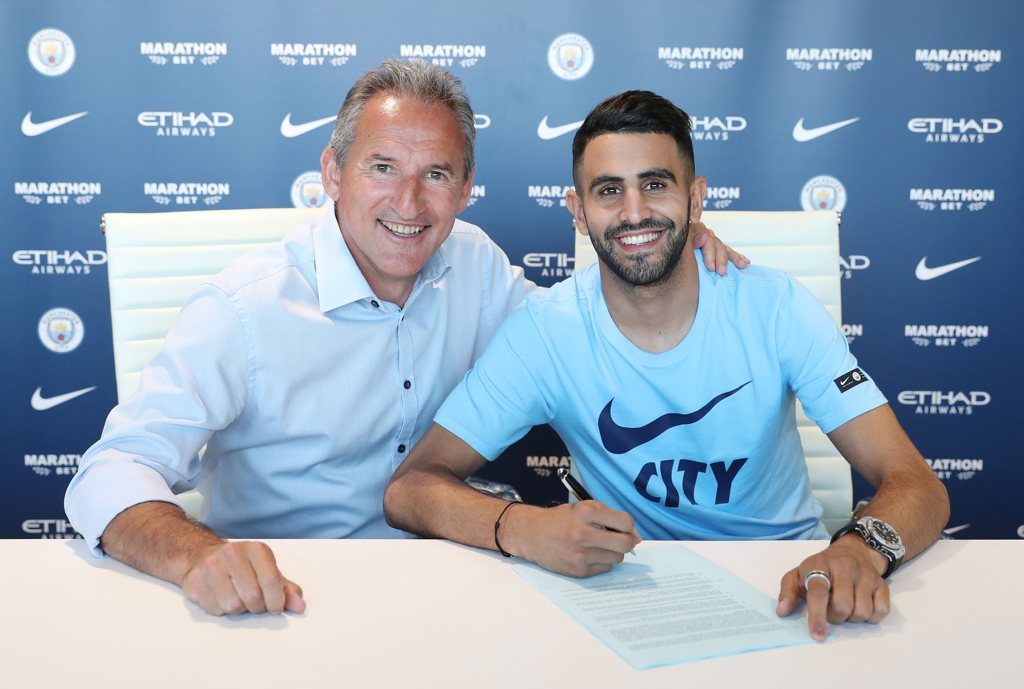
[644, 268]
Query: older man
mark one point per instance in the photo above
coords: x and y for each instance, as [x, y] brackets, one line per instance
[674, 391]
[309, 368]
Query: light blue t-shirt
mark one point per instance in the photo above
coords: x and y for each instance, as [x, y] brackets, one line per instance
[698, 442]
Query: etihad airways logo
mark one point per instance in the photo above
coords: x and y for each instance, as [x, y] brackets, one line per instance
[183, 52]
[50, 528]
[548, 196]
[185, 124]
[952, 199]
[959, 60]
[313, 54]
[186, 193]
[945, 335]
[955, 130]
[828, 59]
[848, 265]
[960, 469]
[721, 197]
[444, 54]
[59, 262]
[30, 128]
[58, 193]
[549, 265]
[711, 128]
[53, 464]
[940, 403]
[694, 58]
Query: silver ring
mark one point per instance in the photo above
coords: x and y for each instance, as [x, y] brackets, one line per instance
[818, 574]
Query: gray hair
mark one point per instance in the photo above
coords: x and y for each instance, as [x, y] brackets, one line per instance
[429, 84]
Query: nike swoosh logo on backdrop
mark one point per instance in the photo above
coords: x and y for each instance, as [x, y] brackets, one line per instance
[30, 128]
[955, 529]
[547, 133]
[801, 134]
[621, 439]
[923, 272]
[290, 130]
[40, 403]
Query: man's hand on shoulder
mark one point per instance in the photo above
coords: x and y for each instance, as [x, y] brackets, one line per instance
[236, 577]
[717, 256]
[857, 592]
[579, 540]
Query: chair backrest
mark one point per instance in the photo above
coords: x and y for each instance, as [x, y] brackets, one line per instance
[805, 245]
[156, 260]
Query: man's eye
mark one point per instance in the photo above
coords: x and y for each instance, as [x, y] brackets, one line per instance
[609, 191]
[436, 175]
[382, 168]
[655, 186]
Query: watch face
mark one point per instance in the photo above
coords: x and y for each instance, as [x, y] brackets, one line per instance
[885, 533]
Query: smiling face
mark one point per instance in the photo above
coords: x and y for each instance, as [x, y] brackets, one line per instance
[399, 191]
[635, 202]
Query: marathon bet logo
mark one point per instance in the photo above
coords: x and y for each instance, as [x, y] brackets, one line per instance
[946, 335]
[50, 528]
[478, 191]
[313, 54]
[444, 54]
[183, 53]
[848, 265]
[709, 128]
[852, 331]
[961, 469]
[953, 130]
[59, 262]
[58, 193]
[547, 465]
[721, 197]
[53, 464]
[186, 193]
[550, 265]
[688, 57]
[952, 199]
[959, 60]
[548, 196]
[828, 59]
[51, 52]
[940, 403]
[186, 124]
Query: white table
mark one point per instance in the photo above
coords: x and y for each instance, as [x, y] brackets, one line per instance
[432, 614]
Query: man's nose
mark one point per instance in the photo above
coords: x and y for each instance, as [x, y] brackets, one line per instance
[410, 202]
[634, 207]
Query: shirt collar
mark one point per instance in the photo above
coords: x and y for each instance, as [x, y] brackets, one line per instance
[339, 280]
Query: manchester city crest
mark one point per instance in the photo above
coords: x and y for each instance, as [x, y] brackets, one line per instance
[308, 191]
[570, 56]
[51, 52]
[61, 330]
[823, 193]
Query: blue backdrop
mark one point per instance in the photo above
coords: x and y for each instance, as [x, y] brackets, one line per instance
[903, 115]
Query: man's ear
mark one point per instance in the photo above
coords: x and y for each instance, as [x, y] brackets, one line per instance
[330, 173]
[575, 206]
[698, 188]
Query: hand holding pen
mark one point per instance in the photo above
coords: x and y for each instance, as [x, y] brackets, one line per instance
[580, 493]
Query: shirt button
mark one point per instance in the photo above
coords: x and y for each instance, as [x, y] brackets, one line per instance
[401, 449]
[407, 384]
[373, 302]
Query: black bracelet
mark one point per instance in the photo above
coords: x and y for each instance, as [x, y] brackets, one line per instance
[497, 523]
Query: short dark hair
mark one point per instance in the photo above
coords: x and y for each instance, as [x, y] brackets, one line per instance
[634, 112]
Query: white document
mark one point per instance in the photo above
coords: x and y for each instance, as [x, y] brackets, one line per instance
[669, 605]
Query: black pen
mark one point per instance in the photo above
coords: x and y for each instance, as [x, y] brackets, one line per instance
[577, 489]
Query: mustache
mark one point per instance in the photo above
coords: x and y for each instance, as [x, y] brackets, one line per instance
[649, 224]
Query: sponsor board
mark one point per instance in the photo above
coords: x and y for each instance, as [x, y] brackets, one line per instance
[720, 198]
[308, 190]
[852, 331]
[957, 60]
[953, 199]
[945, 335]
[50, 528]
[185, 124]
[444, 54]
[713, 128]
[183, 52]
[823, 193]
[186, 193]
[848, 265]
[59, 261]
[53, 464]
[61, 330]
[549, 264]
[955, 130]
[51, 52]
[959, 469]
[548, 195]
[313, 54]
[545, 466]
[944, 403]
[700, 58]
[58, 193]
[570, 56]
[829, 59]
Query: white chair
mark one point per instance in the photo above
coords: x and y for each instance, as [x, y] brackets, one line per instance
[805, 245]
[156, 260]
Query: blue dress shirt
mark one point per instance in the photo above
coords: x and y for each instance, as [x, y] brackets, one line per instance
[306, 389]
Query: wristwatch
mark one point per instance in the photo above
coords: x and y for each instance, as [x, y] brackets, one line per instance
[881, 537]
